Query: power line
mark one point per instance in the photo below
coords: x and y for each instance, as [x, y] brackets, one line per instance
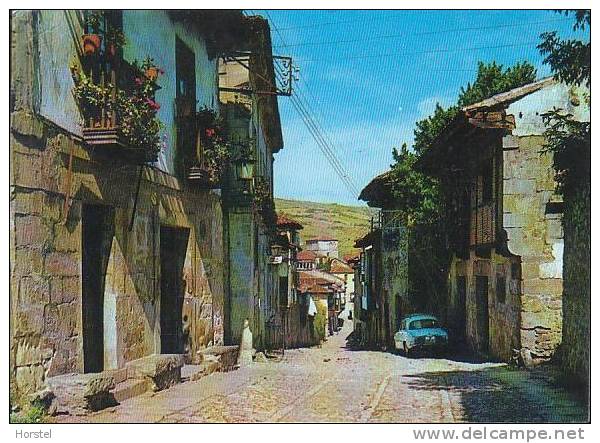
[430, 51]
[407, 34]
[340, 22]
[316, 131]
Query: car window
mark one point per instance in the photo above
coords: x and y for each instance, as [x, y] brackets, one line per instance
[423, 324]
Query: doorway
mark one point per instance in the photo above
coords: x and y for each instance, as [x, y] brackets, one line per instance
[173, 246]
[483, 322]
[97, 234]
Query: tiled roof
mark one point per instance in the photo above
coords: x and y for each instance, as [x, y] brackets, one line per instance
[306, 256]
[284, 221]
[340, 267]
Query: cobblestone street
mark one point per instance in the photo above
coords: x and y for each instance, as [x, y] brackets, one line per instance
[335, 384]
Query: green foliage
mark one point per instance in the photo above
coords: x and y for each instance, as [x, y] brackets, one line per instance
[215, 147]
[568, 139]
[135, 110]
[492, 79]
[33, 414]
[431, 127]
[264, 204]
[93, 20]
[570, 60]
[345, 223]
[570, 142]
[415, 194]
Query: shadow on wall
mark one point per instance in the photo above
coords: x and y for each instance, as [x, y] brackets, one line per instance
[502, 395]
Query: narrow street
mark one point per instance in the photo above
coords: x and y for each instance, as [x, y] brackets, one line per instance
[336, 384]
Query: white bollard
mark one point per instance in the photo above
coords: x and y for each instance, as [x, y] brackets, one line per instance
[246, 349]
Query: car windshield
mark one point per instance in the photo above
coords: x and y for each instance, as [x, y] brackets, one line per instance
[423, 324]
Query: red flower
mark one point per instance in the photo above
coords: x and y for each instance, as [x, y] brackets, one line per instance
[153, 104]
[210, 133]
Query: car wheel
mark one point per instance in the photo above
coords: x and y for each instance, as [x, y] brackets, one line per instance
[406, 349]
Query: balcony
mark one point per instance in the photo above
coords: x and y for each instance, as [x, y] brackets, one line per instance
[116, 100]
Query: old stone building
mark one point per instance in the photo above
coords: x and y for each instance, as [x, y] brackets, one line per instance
[249, 99]
[381, 278]
[116, 256]
[504, 222]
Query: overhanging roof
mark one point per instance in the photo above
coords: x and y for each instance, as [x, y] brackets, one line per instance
[488, 114]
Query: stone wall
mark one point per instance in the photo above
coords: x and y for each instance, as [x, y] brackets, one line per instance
[394, 252]
[300, 327]
[46, 255]
[468, 319]
[534, 234]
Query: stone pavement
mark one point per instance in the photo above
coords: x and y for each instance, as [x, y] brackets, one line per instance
[336, 384]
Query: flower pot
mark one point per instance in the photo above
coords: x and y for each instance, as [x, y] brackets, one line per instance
[91, 43]
[152, 73]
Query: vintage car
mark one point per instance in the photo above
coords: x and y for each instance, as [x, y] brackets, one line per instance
[421, 332]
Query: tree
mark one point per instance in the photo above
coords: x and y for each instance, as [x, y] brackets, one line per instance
[415, 194]
[569, 140]
[570, 60]
[491, 79]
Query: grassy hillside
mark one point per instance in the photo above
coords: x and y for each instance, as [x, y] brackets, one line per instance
[345, 223]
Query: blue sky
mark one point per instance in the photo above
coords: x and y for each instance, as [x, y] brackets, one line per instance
[369, 75]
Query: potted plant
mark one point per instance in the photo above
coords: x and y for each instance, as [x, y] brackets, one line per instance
[92, 40]
[151, 71]
[213, 150]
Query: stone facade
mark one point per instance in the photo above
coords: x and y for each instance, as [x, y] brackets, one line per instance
[506, 275]
[55, 181]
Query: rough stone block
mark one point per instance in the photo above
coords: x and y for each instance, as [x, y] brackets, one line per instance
[513, 220]
[30, 352]
[64, 289]
[62, 263]
[554, 230]
[31, 231]
[61, 320]
[65, 239]
[27, 124]
[28, 319]
[27, 170]
[546, 319]
[33, 289]
[542, 286]
[30, 378]
[519, 186]
[28, 203]
[162, 370]
[28, 261]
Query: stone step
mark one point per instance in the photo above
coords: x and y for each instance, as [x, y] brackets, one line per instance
[118, 375]
[196, 372]
[130, 388]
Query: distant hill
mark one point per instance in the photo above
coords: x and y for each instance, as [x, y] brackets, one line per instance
[345, 223]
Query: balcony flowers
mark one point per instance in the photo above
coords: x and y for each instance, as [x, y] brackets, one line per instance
[134, 111]
[213, 149]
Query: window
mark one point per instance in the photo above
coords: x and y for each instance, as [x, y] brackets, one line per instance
[423, 324]
[500, 288]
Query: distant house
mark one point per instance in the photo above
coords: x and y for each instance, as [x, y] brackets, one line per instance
[324, 247]
[307, 260]
[344, 271]
[504, 219]
[326, 291]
